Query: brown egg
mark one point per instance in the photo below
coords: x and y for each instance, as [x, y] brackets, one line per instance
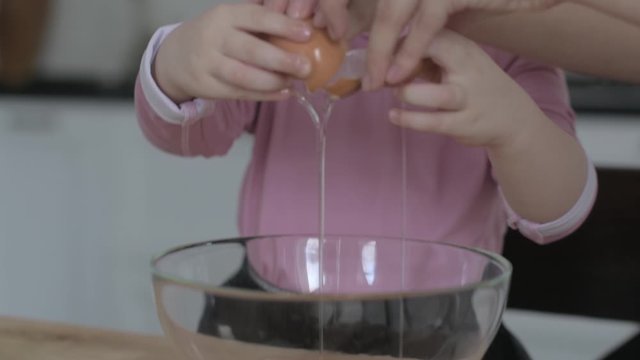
[426, 70]
[326, 56]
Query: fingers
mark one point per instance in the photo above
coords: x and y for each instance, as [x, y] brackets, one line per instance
[522, 5]
[348, 21]
[251, 50]
[434, 122]
[452, 51]
[259, 20]
[361, 16]
[431, 17]
[213, 88]
[276, 5]
[434, 96]
[239, 75]
[391, 18]
[301, 9]
[336, 15]
[319, 20]
[297, 9]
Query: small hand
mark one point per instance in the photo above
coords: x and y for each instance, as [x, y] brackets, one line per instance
[390, 59]
[476, 103]
[221, 55]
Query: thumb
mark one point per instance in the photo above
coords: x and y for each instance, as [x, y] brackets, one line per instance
[449, 50]
[301, 9]
[362, 14]
[336, 15]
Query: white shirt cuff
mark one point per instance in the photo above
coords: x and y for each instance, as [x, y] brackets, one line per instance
[566, 224]
[158, 100]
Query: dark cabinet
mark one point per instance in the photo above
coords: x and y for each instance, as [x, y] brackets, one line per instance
[595, 271]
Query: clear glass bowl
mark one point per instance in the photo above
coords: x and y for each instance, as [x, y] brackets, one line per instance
[262, 298]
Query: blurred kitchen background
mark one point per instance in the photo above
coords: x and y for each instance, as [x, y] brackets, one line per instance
[86, 201]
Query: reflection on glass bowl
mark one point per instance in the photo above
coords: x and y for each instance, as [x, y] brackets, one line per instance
[295, 297]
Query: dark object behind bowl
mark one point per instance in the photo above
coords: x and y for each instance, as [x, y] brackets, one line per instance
[594, 272]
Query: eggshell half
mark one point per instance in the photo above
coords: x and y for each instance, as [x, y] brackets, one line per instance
[326, 56]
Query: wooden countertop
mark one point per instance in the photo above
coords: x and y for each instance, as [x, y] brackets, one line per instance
[37, 340]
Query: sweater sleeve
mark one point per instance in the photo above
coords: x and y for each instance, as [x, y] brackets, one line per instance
[200, 127]
[546, 85]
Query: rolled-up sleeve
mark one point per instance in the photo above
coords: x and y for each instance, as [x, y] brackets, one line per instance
[200, 127]
[547, 86]
[545, 233]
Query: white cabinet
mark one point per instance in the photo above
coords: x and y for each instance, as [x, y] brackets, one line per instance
[86, 201]
[612, 141]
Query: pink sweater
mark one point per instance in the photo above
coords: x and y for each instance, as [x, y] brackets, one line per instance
[452, 195]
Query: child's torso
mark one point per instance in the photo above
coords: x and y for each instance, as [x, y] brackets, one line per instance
[450, 193]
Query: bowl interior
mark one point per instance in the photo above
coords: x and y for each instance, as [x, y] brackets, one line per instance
[295, 296]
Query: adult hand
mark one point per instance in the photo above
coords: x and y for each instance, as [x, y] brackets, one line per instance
[390, 59]
[297, 9]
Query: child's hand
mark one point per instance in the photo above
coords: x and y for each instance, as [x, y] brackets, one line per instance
[220, 55]
[476, 103]
[297, 9]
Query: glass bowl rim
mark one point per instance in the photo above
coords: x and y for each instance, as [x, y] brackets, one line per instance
[284, 296]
